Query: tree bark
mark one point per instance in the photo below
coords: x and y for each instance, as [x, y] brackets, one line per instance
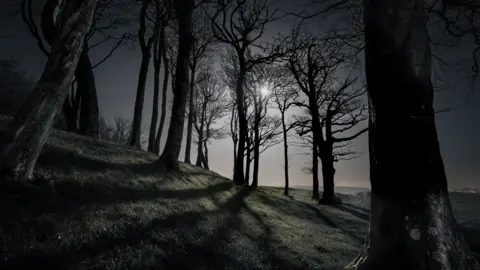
[285, 153]
[166, 74]
[315, 193]
[88, 123]
[169, 157]
[256, 139]
[238, 176]
[188, 145]
[328, 174]
[411, 225]
[27, 133]
[205, 155]
[139, 100]
[157, 63]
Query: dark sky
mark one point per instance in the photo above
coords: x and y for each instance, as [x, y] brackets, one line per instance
[116, 80]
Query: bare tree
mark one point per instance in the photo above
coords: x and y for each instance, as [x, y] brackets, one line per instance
[284, 94]
[159, 53]
[26, 134]
[210, 105]
[83, 95]
[149, 12]
[334, 105]
[412, 225]
[240, 25]
[117, 132]
[202, 41]
[169, 157]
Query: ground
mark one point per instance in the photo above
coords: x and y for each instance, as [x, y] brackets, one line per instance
[114, 209]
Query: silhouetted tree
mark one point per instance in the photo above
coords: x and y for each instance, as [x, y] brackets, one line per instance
[334, 105]
[169, 157]
[146, 48]
[240, 25]
[210, 105]
[80, 109]
[20, 146]
[203, 39]
[159, 53]
[412, 225]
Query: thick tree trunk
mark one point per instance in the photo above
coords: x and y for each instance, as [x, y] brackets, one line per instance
[173, 145]
[157, 62]
[256, 140]
[188, 145]
[328, 174]
[27, 133]
[88, 123]
[205, 155]
[285, 154]
[139, 100]
[239, 177]
[412, 225]
[315, 193]
[163, 111]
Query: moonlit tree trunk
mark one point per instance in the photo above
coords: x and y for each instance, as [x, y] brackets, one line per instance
[170, 154]
[238, 176]
[166, 74]
[256, 138]
[157, 63]
[315, 194]
[411, 225]
[27, 133]
[188, 145]
[146, 47]
[285, 152]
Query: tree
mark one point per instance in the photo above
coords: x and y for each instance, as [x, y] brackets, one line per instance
[284, 95]
[146, 48]
[334, 105]
[210, 105]
[202, 41]
[26, 134]
[169, 156]
[240, 25]
[83, 96]
[167, 55]
[117, 132]
[159, 53]
[412, 225]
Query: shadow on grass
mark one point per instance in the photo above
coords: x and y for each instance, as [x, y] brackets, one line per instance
[187, 240]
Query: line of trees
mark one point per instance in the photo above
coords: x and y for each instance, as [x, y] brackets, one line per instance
[412, 224]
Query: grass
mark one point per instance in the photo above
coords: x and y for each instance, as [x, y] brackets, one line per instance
[115, 209]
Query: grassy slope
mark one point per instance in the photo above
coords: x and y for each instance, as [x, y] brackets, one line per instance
[116, 210]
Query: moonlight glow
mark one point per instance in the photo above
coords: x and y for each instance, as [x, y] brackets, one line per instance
[264, 90]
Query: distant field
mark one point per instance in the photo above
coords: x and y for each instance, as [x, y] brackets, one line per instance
[116, 210]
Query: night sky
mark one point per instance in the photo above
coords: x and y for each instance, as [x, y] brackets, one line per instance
[116, 81]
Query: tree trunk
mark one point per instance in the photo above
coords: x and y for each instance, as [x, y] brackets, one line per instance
[27, 133]
[88, 123]
[157, 62]
[315, 193]
[239, 177]
[248, 161]
[188, 145]
[205, 155]
[173, 145]
[328, 174]
[139, 100]
[285, 154]
[256, 139]
[164, 93]
[412, 225]
[70, 116]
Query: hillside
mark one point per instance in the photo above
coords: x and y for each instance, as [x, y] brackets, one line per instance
[114, 209]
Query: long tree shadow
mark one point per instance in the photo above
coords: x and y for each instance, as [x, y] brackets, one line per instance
[355, 211]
